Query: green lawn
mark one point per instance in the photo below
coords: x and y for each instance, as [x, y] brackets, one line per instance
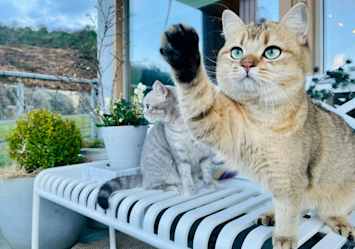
[84, 123]
[4, 157]
[4, 129]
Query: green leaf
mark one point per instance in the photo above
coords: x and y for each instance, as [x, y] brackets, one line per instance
[315, 80]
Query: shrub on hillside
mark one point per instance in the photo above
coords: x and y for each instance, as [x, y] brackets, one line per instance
[43, 139]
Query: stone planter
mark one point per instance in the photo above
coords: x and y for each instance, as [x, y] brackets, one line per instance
[94, 154]
[124, 145]
[60, 227]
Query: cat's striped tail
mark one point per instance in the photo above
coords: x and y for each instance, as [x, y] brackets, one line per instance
[123, 182]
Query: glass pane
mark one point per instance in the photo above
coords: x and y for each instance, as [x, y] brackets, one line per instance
[147, 28]
[267, 10]
[339, 33]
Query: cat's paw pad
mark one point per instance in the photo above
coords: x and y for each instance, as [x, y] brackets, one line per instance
[212, 185]
[341, 226]
[281, 242]
[266, 219]
[179, 47]
[173, 188]
[189, 191]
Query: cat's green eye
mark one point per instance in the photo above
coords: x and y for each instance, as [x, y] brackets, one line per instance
[236, 53]
[272, 53]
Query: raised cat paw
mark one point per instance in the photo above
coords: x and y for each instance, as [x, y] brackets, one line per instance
[212, 185]
[179, 47]
[281, 242]
[189, 191]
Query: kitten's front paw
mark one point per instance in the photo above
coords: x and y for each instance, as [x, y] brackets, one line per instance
[190, 191]
[179, 47]
[266, 219]
[281, 242]
[212, 185]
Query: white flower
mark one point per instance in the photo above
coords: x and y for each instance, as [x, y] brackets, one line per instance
[140, 97]
[115, 107]
[96, 111]
[119, 101]
[102, 113]
[107, 100]
[141, 87]
[136, 91]
[120, 120]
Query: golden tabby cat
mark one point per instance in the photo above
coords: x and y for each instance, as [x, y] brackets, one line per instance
[263, 122]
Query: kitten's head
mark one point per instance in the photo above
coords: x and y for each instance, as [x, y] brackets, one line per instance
[264, 62]
[161, 104]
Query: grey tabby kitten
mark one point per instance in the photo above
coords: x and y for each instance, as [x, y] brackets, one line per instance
[171, 158]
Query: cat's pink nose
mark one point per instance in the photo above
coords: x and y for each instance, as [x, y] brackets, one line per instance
[247, 66]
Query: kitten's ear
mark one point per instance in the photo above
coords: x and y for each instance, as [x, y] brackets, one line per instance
[230, 22]
[297, 20]
[159, 88]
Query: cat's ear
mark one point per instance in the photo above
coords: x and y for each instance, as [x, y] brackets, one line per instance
[159, 88]
[230, 21]
[297, 20]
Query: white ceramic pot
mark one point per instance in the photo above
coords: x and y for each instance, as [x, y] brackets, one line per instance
[124, 145]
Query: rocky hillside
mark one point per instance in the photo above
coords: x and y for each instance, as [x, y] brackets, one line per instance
[55, 95]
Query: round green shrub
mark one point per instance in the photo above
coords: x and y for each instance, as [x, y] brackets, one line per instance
[43, 139]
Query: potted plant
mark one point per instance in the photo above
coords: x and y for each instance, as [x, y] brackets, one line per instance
[338, 78]
[94, 150]
[124, 130]
[40, 140]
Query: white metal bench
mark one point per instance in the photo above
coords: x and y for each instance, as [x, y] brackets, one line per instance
[210, 219]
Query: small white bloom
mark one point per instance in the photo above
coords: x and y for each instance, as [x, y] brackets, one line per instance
[141, 87]
[107, 101]
[119, 101]
[96, 111]
[120, 120]
[140, 97]
[115, 107]
[136, 91]
[102, 113]
[88, 68]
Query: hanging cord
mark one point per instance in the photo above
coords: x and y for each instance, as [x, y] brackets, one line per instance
[167, 16]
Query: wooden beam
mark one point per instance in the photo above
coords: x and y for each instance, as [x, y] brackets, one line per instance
[118, 50]
[286, 5]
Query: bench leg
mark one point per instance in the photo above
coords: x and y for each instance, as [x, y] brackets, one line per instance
[112, 235]
[35, 221]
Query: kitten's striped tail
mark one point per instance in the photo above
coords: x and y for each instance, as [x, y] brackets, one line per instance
[123, 182]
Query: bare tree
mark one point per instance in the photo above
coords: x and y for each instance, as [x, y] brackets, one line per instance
[110, 18]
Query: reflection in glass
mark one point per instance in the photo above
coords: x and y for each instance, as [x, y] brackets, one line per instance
[339, 33]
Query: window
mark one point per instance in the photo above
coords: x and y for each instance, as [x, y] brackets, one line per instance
[147, 26]
[339, 33]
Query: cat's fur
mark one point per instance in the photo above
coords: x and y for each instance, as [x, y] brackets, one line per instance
[264, 123]
[171, 157]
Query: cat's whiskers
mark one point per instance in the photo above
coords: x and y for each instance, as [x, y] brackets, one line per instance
[282, 92]
[272, 101]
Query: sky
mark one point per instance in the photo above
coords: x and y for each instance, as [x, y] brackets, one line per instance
[55, 14]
